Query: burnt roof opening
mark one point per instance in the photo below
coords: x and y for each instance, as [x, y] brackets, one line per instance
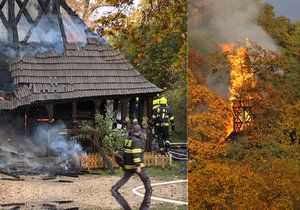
[48, 53]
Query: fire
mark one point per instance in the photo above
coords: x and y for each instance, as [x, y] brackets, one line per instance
[240, 75]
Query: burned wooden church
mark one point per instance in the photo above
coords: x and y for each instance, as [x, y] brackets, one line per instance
[53, 68]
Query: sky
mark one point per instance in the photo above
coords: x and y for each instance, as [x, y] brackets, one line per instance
[287, 8]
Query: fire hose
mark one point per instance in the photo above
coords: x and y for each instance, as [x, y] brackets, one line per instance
[135, 191]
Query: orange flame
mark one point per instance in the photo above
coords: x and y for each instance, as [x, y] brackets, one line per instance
[240, 73]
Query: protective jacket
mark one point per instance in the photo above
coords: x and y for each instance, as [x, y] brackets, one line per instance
[162, 116]
[133, 153]
[155, 103]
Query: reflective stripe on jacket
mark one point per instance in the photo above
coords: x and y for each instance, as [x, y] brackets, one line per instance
[133, 153]
[162, 116]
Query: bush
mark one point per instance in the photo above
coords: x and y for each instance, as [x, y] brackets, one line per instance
[177, 99]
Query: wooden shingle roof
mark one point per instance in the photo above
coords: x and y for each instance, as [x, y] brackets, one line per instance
[93, 70]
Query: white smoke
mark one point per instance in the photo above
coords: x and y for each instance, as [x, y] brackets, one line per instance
[48, 143]
[235, 21]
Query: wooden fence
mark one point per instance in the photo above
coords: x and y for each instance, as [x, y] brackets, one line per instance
[94, 161]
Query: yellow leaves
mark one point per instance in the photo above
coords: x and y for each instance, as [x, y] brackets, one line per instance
[157, 38]
[207, 112]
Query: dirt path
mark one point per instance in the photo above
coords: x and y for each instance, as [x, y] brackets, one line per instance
[86, 192]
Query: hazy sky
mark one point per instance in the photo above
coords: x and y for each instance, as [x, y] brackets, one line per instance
[288, 8]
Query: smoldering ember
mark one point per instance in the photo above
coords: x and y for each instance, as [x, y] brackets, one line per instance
[55, 73]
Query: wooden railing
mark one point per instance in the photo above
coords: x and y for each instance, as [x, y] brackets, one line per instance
[94, 161]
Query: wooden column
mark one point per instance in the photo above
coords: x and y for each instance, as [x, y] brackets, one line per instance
[131, 109]
[141, 111]
[124, 112]
[26, 120]
[97, 103]
[49, 107]
[115, 111]
[103, 109]
[74, 114]
[13, 25]
[149, 124]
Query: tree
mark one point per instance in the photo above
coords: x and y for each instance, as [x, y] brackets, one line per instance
[92, 12]
[154, 40]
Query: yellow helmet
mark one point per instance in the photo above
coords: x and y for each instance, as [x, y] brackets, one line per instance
[163, 100]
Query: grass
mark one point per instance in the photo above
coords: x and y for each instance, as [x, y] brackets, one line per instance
[168, 207]
[176, 171]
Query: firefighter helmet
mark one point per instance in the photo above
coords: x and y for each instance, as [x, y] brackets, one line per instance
[163, 101]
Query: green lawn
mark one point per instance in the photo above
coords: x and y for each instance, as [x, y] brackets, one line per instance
[176, 171]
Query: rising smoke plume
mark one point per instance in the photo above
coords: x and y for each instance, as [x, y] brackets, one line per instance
[48, 149]
[214, 22]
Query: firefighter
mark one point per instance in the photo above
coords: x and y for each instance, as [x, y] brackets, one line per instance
[163, 118]
[133, 160]
[154, 107]
[156, 102]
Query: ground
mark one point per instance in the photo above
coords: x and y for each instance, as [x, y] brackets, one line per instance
[87, 192]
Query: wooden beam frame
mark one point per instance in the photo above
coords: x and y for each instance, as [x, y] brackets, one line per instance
[141, 111]
[36, 22]
[23, 10]
[124, 112]
[61, 23]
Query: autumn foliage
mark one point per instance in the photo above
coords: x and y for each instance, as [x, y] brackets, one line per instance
[259, 169]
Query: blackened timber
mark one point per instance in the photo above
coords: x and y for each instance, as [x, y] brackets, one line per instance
[9, 174]
[36, 22]
[115, 111]
[50, 112]
[131, 109]
[74, 113]
[124, 103]
[141, 111]
[70, 12]
[2, 4]
[43, 6]
[149, 124]
[25, 11]
[97, 103]
[4, 21]
[60, 22]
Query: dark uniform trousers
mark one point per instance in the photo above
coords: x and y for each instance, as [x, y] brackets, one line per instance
[143, 176]
[162, 118]
[133, 158]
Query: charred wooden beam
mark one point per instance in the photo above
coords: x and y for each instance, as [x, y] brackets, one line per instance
[2, 4]
[149, 124]
[131, 109]
[10, 179]
[12, 204]
[49, 107]
[141, 111]
[3, 19]
[37, 20]
[124, 112]
[23, 10]
[67, 174]
[97, 103]
[63, 202]
[9, 174]
[115, 111]
[60, 22]
[65, 181]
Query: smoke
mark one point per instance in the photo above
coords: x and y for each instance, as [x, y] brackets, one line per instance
[236, 21]
[48, 149]
[212, 22]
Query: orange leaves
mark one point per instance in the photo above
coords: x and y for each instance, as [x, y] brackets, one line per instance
[207, 112]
